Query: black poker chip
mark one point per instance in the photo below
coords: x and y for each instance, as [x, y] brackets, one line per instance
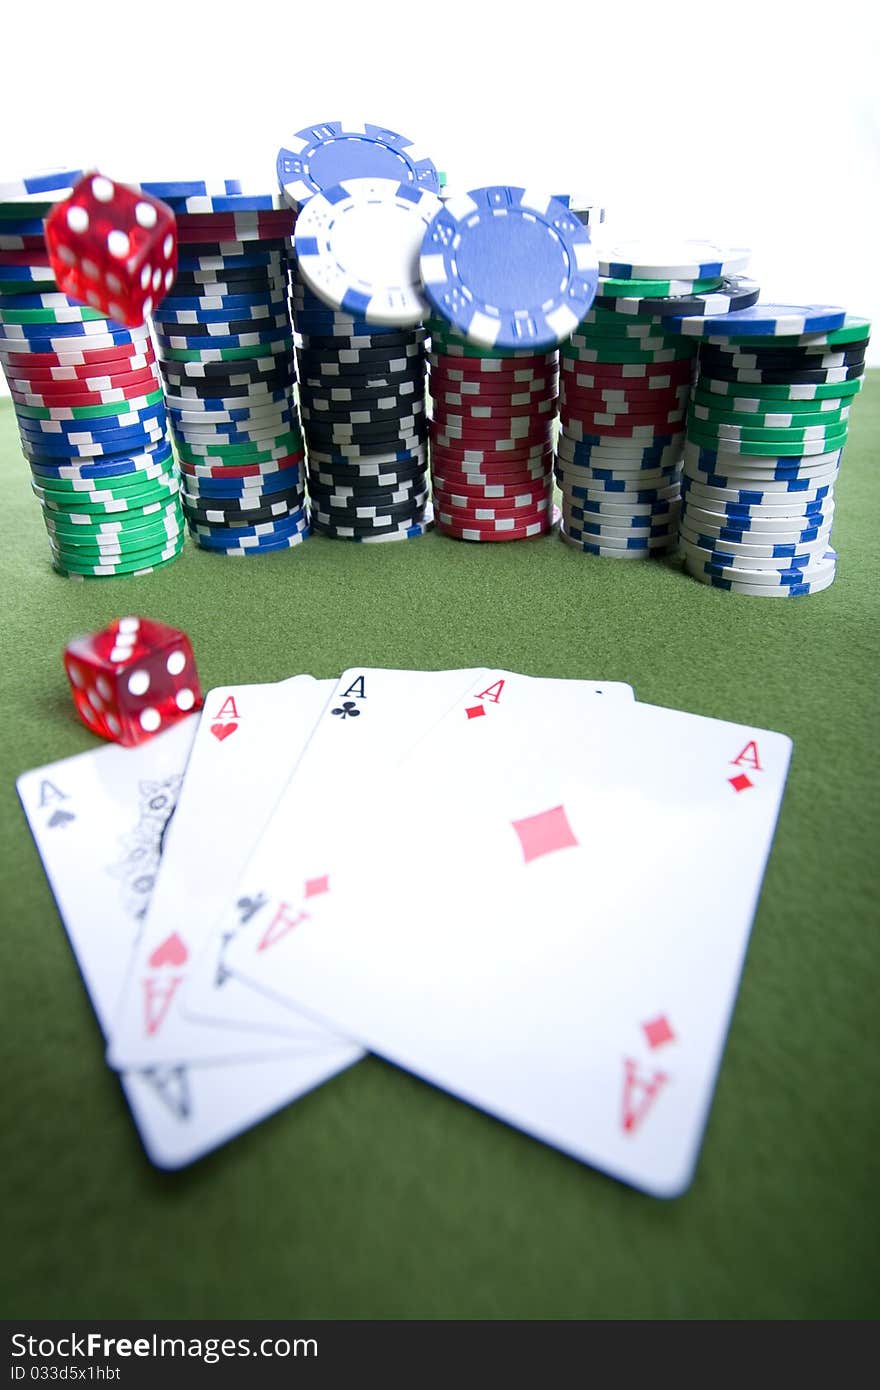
[396, 515]
[778, 358]
[209, 515]
[380, 475]
[794, 377]
[388, 343]
[243, 368]
[361, 415]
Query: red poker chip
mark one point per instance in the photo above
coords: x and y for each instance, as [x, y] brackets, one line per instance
[452, 500]
[486, 414]
[622, 374]
[468, 532]
[450, 398]
[608, 400]
[620, 393]
[59, 393]
[219, 229]
[494, 368]
[85, 357]
[502, 484]
[242, 470]
[473, 388]
[496, 465]
[487, 485]
[623, 423]
[22, 241]
[26, 255]
[461, 454]
[636, 434]
[498, 439]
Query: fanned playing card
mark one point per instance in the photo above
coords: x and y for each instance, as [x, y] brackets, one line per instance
[365, 728]
[551, 926]
[247, 747]
[99, 820]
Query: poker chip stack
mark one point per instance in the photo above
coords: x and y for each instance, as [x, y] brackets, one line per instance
[766, 430]
[509, 274]
[493, 414]
[625, 379]
[89, 406]
[364, 194]
[225, 347]
[362, 399]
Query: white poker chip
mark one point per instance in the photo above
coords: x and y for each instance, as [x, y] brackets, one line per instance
[660, 260]
[357, 246]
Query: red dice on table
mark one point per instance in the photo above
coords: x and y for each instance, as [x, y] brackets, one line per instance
[132, 680]
[113, 247]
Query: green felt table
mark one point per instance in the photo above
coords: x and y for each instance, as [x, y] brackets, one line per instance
[378, 1196]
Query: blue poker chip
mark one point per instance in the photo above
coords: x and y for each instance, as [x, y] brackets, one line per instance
[212, 196]
[67, 342]
[509, 269]
[49, 181]
[231, 408]
[286, 543]
[22, 226]
[72, 328]
[209, 302]
[770, 320]
[96, 472]
[257, 259]
[95, 425]
[317, 157]
[286, 480]
[266, 531]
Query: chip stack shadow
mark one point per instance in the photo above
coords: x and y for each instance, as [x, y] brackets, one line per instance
[89, 407]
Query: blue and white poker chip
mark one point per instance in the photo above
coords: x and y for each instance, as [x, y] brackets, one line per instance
[357, 247]
[509, 268]
[331, 152]
[50, 181]
[768, 320]
[670, 260]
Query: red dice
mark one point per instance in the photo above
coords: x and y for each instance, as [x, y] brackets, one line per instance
[113, 247]
[133, 679]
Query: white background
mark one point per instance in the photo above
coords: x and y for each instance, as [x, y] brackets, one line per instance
[750, 123]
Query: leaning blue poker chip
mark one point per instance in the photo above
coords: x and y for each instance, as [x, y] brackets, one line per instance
[509, 268]
[771, 320]
[57, 181]
[319, 156]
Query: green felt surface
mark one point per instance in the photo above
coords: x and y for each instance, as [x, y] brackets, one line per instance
[377, 1196]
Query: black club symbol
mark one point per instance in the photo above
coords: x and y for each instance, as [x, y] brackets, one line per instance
[347, 708]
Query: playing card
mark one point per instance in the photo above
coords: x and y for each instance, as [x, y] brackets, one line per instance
[552, 926]
[366, 727]
[99, 820]
[247, 746]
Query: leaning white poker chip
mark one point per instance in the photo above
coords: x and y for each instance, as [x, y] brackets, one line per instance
[357, 246]
[665, 260]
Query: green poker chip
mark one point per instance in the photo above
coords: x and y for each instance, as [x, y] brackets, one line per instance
[149, 518]
[744, 404]
[78, 313]
[122, 486]
[804, 396]
[854, 330]
[90, 412]
[105, 572]
[711, 416]
[656, 289]
[782, 448]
